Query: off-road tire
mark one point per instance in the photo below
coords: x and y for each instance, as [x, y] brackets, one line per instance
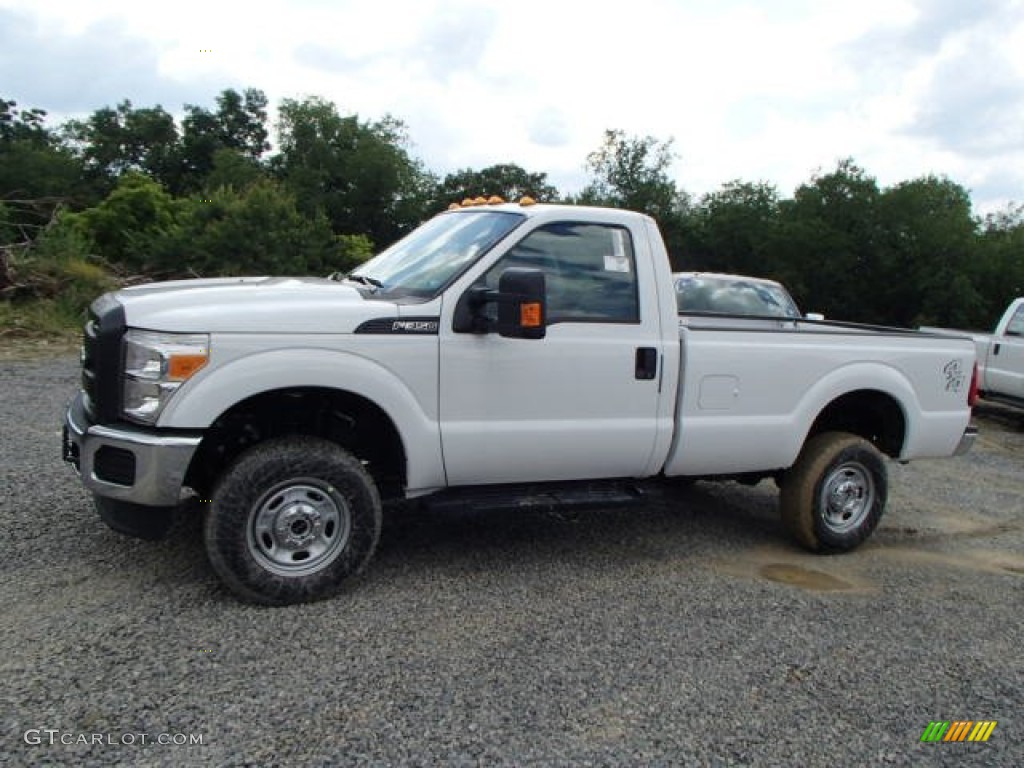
[291, 520]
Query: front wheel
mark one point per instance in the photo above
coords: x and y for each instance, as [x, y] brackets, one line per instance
[291, 520]
[834, 495]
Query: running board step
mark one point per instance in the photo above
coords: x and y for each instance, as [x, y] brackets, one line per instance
[504, 498]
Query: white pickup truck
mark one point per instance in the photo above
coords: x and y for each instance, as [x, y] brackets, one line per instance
[501, 354]
[1000, 356]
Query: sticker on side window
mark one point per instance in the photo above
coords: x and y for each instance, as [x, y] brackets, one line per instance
[618, 261]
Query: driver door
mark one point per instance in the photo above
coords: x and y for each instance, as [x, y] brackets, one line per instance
[580, 403]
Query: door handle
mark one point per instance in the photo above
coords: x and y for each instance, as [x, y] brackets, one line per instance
[646, 363]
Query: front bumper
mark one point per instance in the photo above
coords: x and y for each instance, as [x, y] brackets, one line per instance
[966, 441]
[127, 463]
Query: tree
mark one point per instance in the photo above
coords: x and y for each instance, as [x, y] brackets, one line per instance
[140, 227]
[997, 264]
[17, 125]
[928, 236]
[243, 121]
[113, 142]
[127, 225]
[37, 174]
[359, 174]
[507, 180]
[258, 230]
[239, 125]
[633, 173]
[232, 169]
[827, 248]
[735, 229]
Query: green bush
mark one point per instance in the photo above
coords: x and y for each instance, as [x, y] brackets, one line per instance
[54, 279]
[256, 231]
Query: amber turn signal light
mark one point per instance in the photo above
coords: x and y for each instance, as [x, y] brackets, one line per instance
[181, 367]
[529, 315]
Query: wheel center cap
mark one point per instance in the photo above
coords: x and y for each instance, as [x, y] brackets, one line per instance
[298, 525]
[846, 495]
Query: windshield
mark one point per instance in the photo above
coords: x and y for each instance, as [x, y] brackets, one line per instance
[423, 262]
[734, 296]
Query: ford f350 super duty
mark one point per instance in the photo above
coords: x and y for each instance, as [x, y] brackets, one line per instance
[500, 354]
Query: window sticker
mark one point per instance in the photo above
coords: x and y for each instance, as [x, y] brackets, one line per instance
[618, 261]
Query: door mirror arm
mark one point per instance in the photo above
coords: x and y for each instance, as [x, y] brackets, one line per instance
[469, 316]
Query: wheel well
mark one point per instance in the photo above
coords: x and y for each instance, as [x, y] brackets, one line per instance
[351, 421]
[875, 416]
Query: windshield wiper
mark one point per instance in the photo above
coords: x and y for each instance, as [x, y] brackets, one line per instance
[365, 280]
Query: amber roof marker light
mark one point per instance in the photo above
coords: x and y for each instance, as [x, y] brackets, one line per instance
[471, 202]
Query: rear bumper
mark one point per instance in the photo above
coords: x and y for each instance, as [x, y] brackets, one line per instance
[127, 463]
[966, 440]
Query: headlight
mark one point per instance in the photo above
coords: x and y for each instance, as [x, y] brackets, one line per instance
[155, 365]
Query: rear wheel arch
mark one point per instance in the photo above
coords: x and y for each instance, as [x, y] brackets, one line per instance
[876, 416]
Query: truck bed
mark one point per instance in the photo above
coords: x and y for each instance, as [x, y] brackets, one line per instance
[750, 395]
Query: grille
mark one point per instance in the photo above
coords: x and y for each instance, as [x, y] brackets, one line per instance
[101, 359]
[89, 345]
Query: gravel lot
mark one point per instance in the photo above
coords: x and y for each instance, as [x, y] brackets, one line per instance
[689, 631]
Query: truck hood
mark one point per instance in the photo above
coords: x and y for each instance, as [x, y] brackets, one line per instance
[250, 305]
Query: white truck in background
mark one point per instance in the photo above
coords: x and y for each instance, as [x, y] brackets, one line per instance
[499, 355]
[1000, 356]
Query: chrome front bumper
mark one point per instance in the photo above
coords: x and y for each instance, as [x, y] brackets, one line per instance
[127, 463]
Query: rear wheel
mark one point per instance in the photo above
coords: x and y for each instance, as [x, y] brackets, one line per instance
[834, 495]
[291, 520]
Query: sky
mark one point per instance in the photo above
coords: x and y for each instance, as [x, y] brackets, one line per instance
[771, 91]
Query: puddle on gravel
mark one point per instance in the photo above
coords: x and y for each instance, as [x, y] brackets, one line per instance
[990, 561]
[805, 578]
[793, 569]
[935, 521]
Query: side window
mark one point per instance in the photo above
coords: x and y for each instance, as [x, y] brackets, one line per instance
[590, 271]
[1016, 325]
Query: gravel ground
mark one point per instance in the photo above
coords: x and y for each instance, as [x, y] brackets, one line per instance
[686, 632]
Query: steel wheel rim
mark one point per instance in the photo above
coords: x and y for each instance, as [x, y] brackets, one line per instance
[847, 496]
[299, 527]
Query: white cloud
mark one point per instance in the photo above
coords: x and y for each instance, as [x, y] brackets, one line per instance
[549, 128]
[905, 87]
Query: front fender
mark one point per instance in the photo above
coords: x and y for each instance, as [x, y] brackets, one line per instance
[212, 392]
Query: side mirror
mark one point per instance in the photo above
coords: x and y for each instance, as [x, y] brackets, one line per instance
[522, 304]
[814, 316]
